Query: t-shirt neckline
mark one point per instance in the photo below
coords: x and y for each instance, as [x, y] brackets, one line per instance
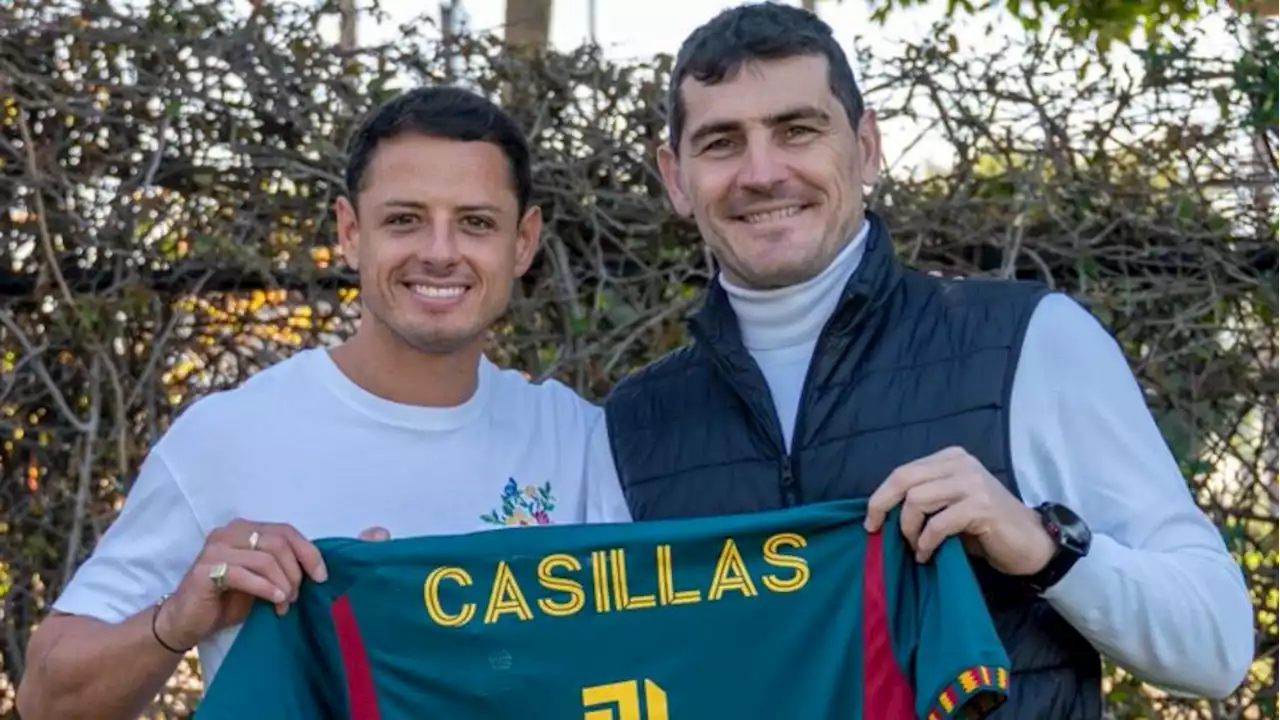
[393, 413]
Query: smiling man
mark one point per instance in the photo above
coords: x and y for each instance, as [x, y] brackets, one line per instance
[996, 411]
[406, 429]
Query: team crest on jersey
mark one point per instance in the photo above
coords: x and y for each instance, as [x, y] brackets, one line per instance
[528, 505]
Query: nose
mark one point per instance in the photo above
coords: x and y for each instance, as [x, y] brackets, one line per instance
[438, 244]
[763, 166]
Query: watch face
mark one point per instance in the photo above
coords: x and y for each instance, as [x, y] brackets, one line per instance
[1071, 529]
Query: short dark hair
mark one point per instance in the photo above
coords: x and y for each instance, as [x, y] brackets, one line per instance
[446, 112]
[758, 31]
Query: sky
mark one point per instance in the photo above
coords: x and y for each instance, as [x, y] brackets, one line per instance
[629, 29]
[638, 29]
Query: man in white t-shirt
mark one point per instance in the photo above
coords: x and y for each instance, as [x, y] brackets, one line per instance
[407, 429]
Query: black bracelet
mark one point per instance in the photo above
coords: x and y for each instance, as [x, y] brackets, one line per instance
[155, 615]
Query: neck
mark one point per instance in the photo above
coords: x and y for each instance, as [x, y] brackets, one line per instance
[794, 315]
[387, 367]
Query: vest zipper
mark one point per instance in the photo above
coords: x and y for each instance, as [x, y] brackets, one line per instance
[788, 484]
[790, 489]
[787, 478]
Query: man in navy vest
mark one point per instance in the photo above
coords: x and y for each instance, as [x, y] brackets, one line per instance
[821, 368]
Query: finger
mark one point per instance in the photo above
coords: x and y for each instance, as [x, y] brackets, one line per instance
[278, 548]
[227, 535]
[973, 546]
[231, 544]
[951, 521]
[924, 500]
[264, 565]
[900, 481]
[375, 534]
[242, 579]
[306, 552]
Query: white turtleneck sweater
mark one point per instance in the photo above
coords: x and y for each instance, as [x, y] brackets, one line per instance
[1158, 593]
[781, 327]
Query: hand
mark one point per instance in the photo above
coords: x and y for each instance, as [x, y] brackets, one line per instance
[375, 534]
[264, 561]
[951, 493]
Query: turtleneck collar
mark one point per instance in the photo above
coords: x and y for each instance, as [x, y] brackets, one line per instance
[794, 315]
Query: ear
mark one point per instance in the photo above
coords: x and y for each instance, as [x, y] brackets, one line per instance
[869, 154]
[669, 166]
[348, 232]
[528, 237]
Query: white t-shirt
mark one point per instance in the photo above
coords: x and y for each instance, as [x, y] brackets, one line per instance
[300, 443]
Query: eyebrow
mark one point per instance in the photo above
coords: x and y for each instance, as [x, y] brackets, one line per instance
[395, 203]
[800, 112]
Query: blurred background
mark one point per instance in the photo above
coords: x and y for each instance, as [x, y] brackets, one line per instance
[167, 172]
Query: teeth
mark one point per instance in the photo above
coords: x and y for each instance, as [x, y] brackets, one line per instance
[432, 291]
[773, 215]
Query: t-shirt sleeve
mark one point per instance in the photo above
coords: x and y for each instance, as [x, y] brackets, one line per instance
[961, 668]
[275, 668]
[143, 554]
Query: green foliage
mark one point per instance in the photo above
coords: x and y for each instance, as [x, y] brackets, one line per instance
[1098, 22]
[1257, 75]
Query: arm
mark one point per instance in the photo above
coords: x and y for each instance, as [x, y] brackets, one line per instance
[96, 655]
[67, 680]
[605, 500]
[1158, 593]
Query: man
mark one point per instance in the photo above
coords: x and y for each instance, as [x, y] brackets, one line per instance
[823, 369]
[406, 428]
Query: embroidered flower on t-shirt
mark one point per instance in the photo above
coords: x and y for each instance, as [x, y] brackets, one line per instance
[528, 505]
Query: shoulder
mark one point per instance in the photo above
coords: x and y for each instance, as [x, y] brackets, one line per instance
[674, 370]
[949, 318]
[1062, 315]
[221, 414]
[1072, 371]
[1062, 330]
[976, 292]
[546, 401]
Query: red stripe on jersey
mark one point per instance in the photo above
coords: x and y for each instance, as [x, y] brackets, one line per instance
[887, 695]
[362, 699]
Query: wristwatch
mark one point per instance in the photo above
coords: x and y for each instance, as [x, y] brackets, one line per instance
[1071, 536]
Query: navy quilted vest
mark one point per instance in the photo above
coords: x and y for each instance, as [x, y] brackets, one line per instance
[908, 364]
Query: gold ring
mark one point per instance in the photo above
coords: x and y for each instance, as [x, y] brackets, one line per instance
[218, 574]
[254, 537]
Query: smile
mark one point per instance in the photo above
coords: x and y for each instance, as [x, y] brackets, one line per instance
[437, 296]
[437, 292]
[768, 216]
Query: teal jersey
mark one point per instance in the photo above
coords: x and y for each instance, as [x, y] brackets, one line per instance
[795, 613]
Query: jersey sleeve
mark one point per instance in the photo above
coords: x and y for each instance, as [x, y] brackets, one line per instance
[961, 668]
[941, 633]
[276, 668]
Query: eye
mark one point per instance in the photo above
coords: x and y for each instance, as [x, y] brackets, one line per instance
[477, 222]
[399, 219]
[799, 131]
[717, 145]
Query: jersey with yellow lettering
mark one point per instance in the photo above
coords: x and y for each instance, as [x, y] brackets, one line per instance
[796, 613]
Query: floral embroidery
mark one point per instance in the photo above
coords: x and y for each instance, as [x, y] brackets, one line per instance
[530, 505]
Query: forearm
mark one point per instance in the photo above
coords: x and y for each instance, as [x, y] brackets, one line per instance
[85, 668]
[1158, 592]
[1179, 619]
